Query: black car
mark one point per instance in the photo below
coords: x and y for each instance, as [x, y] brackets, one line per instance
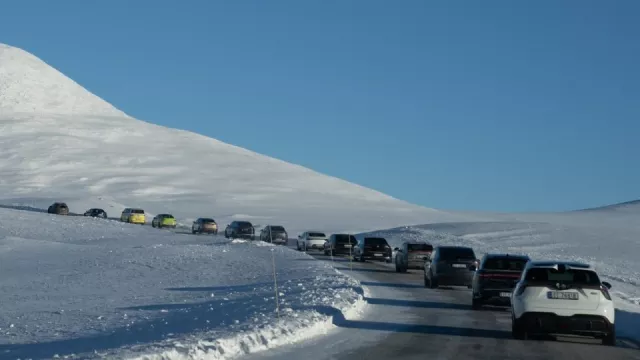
[240, 230]
[96, 213]
[372, 248]
[58, 208]
[340, 244]
[275, 234]
[450, 266]
[495, 279]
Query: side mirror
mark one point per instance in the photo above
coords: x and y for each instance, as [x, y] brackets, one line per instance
[472, 267]
[607, 285]
[396, 249]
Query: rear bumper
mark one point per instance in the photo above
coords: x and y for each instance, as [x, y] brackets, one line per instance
[315, 244]
[580, 325]
[243, 236]
[415, 264]
[136, 221]
[208, 230]
[494, 296]
[455, 279]
[376, 256]
[342, 251]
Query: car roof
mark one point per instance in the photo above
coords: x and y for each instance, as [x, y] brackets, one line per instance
[416, 242]
[554, 264]
[515, 256]
[453, 247]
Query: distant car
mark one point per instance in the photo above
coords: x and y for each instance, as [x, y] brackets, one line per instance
[562, 298]
[311, 240]
[372, 248]
[96, 213]
[240, 230]
[204, 225]
[340, 244]
[412, 255]
[495, 279]
[133, 216]
[450, 266]
[275, 234]
[164, 220]
[58, 208]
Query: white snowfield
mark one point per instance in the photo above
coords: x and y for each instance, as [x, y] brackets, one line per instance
[88, 288]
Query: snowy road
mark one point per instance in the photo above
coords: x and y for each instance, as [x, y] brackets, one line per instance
[407, 321]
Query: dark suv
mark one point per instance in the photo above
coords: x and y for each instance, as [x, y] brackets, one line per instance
[372, 248]
[495, 279]
[59, 208]
[450, 266]
[340, 244]
[96, 213]
[274, 234]
[240, 230]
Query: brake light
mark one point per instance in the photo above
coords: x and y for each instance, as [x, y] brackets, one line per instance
[605, 292]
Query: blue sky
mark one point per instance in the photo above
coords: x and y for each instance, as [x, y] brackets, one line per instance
[476, 105]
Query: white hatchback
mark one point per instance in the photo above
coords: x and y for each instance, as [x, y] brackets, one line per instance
[562, 298]
[311, 240]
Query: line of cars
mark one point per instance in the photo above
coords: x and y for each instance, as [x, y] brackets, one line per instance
[546, 298]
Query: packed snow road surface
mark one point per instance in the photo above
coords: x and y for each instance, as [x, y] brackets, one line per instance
[406, 321]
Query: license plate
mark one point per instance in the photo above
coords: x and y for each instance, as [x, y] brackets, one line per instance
[505, 294]
[558, 295]
[377, 255]
[460, 266]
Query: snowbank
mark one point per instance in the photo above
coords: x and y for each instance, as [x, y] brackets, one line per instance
[92, 288]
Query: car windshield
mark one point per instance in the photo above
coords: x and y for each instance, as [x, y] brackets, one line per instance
[317, 235]
[419, 247]
[137, 211]
[345, 239]
[504, 263]
[375, 241]
[569, 276]
[454, 253]
[244, 224]
[277, 228]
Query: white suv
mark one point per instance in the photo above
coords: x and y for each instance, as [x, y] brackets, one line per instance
[562, 298]
[311, 240]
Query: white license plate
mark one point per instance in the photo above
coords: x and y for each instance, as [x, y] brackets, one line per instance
[505, 294]
[459, 265]
[558, 295]
[379, 255]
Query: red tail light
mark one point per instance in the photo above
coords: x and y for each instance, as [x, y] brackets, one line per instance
[605, 292]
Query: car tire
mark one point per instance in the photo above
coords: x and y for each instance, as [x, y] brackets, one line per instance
[610, 339]
[476, 304]
[517, 330]
[433, 283]
[397, 268]
[426, 281]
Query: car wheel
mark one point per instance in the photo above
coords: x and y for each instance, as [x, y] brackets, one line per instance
[433, 283]
[476, 304]
[426, 281]
[397, 268]
[517, 331]
[610, 339]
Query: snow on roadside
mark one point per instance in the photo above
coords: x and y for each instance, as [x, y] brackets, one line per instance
[92, 288]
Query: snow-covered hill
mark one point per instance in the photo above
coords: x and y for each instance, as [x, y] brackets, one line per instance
[58, 142]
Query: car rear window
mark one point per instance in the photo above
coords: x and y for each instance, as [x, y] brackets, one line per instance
[317, 235]
[277, 228]
[244, 224]
[569, 276]
[208, 221]
[504, 263]
[346, 239]
[456, 253]
[375, 241]
[419, 247]
[137, 211]
[167, 216]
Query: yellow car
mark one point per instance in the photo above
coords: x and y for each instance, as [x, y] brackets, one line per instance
[164, 220]
[133, 216]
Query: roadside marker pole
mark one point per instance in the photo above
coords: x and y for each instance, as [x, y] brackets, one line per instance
[350, 254]
[275, 282]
